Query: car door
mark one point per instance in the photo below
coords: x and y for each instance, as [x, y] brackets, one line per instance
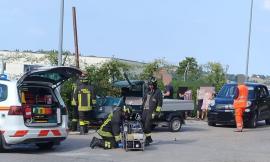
[53, 76]
[262, 103]
[266, 101]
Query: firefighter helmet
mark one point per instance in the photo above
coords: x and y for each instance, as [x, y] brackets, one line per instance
[84, 78]
[152, 81]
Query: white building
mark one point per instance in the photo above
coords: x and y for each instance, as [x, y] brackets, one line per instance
[18, 63]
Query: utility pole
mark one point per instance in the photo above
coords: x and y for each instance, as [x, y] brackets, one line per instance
[75, 37]
[60, 48]
[249, 38]
[186, 71]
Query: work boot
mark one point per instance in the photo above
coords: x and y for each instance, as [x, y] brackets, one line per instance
[148, 140]
[238, 130]
[95, 142]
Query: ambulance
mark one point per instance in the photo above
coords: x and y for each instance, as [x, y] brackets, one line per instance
[32, 110]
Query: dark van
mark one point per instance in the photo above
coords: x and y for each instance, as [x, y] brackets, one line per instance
[221, 109]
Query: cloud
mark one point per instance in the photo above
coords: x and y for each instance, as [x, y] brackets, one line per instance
[267, 4]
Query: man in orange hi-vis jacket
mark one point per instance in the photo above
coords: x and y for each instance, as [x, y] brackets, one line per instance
[240, 102]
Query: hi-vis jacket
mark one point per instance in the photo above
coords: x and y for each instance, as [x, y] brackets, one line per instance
[152, 100]
[241, 98]
[73, 101]
[111, 126]
[85, 97]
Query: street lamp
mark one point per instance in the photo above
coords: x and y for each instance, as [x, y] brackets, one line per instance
[60, 47]
[249, 38]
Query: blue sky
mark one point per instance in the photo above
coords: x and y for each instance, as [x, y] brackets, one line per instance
[143, 30]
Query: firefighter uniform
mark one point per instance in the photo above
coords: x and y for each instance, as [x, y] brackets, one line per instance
[152, 103]
[86, 100]
[110, 130]
[239, 104]
[75, 113]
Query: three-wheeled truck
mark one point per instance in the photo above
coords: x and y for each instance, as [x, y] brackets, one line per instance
[172, 112]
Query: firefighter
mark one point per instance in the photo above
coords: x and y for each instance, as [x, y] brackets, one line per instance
[152, 103]
[75, 114]
[240, 102]
[110, 129]
[86, 101]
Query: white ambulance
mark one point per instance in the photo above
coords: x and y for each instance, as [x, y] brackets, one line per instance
[32, 110]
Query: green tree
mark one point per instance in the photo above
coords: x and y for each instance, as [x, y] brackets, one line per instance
[215, 75]
[189, 69]
[102, 77]
[153, 69]
[52, 57]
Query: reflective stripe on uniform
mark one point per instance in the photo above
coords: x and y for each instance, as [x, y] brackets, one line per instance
[81, 122]
[103, 133]
[82, 107]
[73, 102]
[74, 120]
[84, 122]
[148, 134]
[107, 144]
[117, 138]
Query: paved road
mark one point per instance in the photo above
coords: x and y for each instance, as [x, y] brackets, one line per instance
[195, 143]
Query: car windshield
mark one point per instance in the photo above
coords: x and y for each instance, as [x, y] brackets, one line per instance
[228, 91]
[109, 101]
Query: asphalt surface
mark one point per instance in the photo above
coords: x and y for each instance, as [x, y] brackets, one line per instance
[197, 142]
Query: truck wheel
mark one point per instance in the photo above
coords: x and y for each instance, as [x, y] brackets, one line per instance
[253, 122]
[212, 124]
[267, 121]
[175, 124]
[45, 146]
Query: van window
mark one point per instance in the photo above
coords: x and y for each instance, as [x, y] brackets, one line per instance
[3, 92]
[262, 92]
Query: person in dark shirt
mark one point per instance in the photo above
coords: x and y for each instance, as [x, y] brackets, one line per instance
[168, 93]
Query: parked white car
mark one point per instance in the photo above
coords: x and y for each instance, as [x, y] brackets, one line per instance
[32, 110]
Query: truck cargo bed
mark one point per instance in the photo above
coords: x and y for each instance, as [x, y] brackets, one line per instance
[177, 105]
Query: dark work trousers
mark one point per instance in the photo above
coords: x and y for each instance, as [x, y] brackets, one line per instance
[75, 118]
[84, 116]
[147, 121]
[108, 142]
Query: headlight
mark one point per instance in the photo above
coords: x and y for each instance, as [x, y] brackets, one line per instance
[212, 103]
[247, 110]
[249, 103]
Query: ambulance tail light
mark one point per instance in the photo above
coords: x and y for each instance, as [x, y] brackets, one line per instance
[15, 110]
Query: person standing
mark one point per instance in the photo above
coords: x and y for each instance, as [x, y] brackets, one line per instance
[86, 100]
[240, 102]
[152, 103]
[110, 129]
[168, 92]
[74, 106]
[206, 102]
